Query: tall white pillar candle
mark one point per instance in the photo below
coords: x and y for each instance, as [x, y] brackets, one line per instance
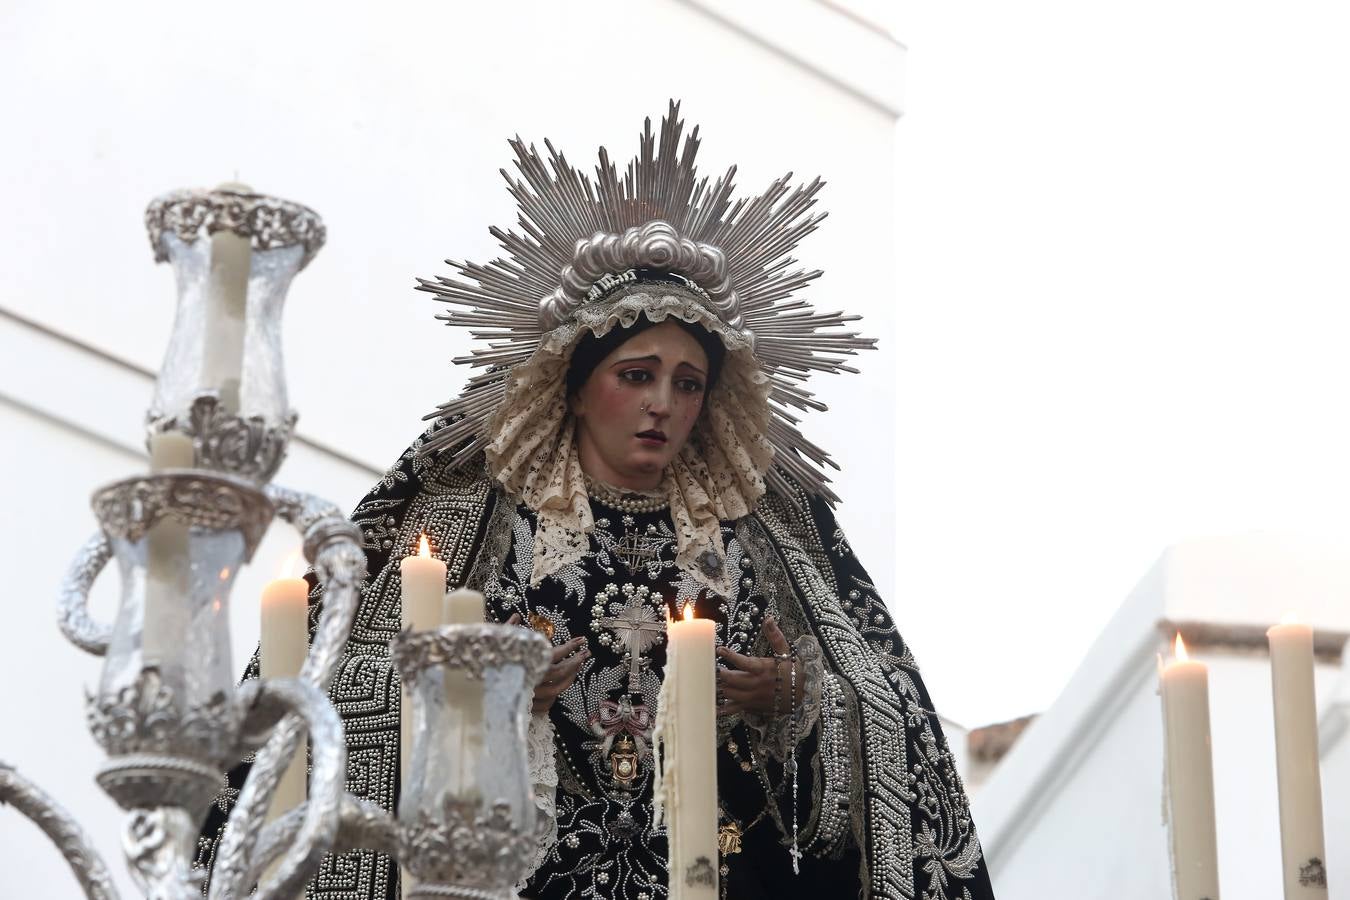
[687, 774]
[1297, 762]
[227, 309]
[164, 613]
[423, 594]
[283, 645]
[1190, 778]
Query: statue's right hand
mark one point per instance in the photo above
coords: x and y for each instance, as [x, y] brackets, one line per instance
[567, 661]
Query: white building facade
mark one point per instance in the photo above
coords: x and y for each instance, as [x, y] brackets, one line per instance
[1076, 807]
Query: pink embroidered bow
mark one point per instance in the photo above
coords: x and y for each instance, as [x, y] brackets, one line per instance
[613, 718]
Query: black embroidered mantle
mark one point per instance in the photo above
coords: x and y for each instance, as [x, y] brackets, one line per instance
[881, 805]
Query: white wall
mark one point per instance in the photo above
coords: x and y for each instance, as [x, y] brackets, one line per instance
[390, 121]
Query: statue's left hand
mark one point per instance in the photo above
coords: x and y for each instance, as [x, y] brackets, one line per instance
[759, 684]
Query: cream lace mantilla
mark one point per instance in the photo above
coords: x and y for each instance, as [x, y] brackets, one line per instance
[719, 474]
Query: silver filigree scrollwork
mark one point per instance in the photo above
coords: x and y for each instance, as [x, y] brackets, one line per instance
[317, 830]
[470, 648]
[72, 609]
[128, 508]
[362, 825]
[158, 847]
[268, 222]
[462, 847]
[333, 546]
[146, 717]
[247, 446]
[89, 868]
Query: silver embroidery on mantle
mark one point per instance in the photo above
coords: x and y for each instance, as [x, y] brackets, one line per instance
[907, 767]
[887, 816]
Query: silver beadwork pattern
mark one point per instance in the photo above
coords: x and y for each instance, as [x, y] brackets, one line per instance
[580, 236]
[268, 222]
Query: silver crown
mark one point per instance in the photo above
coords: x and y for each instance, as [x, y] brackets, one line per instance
[577, 234]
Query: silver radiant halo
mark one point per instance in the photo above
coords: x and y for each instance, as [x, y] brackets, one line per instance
[578, 235]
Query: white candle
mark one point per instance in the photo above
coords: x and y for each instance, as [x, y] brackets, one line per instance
[464, 700]
[463, 607]
[423, 592]
[227, 310]
[1297, 763]
[171, 450]
[686, 788]
[282, 649]
[164, 613]
[1190, 777]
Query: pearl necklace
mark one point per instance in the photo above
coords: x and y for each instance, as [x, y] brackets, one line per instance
[623, 501]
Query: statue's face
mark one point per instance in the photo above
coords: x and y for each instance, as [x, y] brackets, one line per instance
[636, 410]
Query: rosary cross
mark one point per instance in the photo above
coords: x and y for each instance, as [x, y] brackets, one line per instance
[639, 627]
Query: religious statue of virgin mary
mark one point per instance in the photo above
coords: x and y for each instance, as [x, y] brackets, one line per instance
[629, 447]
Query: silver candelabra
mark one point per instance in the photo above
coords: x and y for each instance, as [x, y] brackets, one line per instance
[167, 710]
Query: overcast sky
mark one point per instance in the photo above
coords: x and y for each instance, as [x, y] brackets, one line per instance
[1124, 283]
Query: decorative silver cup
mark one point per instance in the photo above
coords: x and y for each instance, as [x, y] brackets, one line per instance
[467, 817]
[223, 380]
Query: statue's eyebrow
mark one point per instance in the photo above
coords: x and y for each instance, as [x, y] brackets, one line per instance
[656, 359]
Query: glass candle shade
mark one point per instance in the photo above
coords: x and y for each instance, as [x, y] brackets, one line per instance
[467, 812]
[223, 380]
[164, 710]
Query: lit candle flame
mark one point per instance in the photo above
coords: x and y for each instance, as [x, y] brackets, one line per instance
[1180, 652]
[1289, 619]
[423, 548]
[688, 611]
[225, 574]
[294, 565]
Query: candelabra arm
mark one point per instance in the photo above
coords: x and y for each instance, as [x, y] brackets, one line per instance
[61, 829]
[362, 826]
[333, 546]
[318, 821]
[73, 606]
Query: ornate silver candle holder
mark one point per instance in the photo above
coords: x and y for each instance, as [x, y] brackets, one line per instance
[167, 710]
[233, 254]
[163, 711]
[467, 817]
